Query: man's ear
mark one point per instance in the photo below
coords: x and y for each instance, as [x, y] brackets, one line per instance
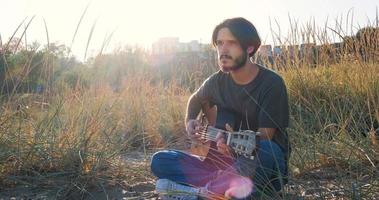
[250, 49]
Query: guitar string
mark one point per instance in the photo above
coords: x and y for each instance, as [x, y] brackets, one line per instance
[210, 128]
[204, 134]
[213, 132]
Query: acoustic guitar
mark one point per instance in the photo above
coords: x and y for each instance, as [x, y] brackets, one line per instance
[243, 142]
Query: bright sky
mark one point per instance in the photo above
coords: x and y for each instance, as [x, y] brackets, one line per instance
[143, 21]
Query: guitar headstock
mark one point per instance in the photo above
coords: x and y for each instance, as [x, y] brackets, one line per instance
[243, 142]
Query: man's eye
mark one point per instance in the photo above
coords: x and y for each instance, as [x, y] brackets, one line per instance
[219, 43]
[233, 42]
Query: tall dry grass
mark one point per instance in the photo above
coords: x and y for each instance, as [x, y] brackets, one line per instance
[76, 140]
[333, 112]
[334, 104]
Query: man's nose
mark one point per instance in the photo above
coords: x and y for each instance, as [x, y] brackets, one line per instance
[223, 50]
[223, 47]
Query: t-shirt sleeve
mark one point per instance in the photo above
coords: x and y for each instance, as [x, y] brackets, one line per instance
[204, 92]
[201, 96]
[274, 111]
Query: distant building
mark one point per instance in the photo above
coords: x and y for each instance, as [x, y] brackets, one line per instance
[167, 45]
[293, 51]
[265, 51]
[307, 49]
[166, 49]
[277, 51]
[264, 55]
[192, 46]
[171, 45]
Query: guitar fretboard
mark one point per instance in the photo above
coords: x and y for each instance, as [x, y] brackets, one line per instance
[210, 133]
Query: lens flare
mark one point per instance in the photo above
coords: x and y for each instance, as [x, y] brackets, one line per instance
[239, 188]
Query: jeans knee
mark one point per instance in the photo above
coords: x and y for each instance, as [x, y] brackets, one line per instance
[270, 154]
[270, 148]
[164, 160]
[156, 162]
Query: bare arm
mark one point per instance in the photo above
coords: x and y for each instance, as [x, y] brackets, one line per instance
[198, 101]
[193, 108]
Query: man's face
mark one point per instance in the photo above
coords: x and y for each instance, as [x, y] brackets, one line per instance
[230, 54]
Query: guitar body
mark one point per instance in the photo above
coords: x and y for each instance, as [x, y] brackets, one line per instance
[200, 149]
[222, 117]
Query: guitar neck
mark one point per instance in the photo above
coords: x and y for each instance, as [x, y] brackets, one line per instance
[242, 142]
[210, 133]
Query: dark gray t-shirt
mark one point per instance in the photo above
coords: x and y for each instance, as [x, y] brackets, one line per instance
[262, 103]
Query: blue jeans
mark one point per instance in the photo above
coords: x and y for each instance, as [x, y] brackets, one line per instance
[268, 170]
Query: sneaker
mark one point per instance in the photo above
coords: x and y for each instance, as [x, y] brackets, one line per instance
[170, 190]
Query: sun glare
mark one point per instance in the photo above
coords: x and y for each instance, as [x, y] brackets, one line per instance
[143, 22]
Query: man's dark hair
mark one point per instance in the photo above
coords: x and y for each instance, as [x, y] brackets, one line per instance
[243, 30]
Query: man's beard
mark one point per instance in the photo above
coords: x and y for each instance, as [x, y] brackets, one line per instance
[238, 62]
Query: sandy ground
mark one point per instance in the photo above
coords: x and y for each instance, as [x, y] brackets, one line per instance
[323, 183]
